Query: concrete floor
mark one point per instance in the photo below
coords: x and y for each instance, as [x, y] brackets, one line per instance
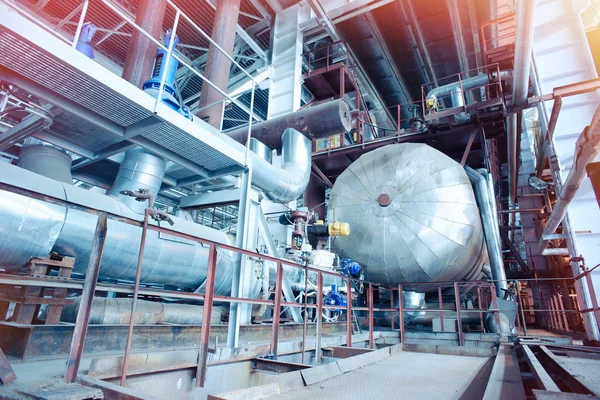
[405, 375]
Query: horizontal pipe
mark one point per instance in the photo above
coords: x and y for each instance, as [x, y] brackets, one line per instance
[314, 122]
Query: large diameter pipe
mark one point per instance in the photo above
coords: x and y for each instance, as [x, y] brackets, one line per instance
[286, 183]
[107, 311]
[587, 149]
[141, 52]
[525, 15]
[32, 227]
[315, 122]
[490, 223]
[218, 64]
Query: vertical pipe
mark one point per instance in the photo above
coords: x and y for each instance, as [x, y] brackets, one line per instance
[304, 327]
[521, 307]
[136, 289]
[207, 309]
[461, 340]
[276, 309]
[349, 312]
[140, 55]
[401, 313]
[85, 305]
[319, 329]
[441, 308]
[371, 344]
[217, 64]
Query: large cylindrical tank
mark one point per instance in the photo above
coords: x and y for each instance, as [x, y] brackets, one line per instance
[33, 228]
[413, 216]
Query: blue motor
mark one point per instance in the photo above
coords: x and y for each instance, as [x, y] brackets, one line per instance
[152, 85]
[88, 30]
[335, 298]
[350, 267]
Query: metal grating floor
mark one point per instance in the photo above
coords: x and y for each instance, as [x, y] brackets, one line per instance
[35, 54]
[405, 375]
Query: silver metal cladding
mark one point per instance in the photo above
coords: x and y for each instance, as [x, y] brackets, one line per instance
[431, 230]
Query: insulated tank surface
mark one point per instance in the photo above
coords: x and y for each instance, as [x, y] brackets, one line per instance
[413, 216]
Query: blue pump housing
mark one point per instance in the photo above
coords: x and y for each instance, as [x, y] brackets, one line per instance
[160, 69]
[88, 30]
[335, 298]
[350, 267]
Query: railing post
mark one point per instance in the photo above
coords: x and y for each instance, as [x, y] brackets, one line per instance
[276, 309]
[521, 307]
[398, 125]
[495, 305]
[461, 340]
[401, 317]
[592, 291]
[349, 312]
[87, 298]
[371, 343]
[136, 289]
[206, 316]
[441, 305]
[319, 329]
[163, 77]
[80, 23]
[480, 305]
[305, 319]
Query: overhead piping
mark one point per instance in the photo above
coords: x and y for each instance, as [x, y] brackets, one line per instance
[483, 195]
[587, 149]
[525, 15]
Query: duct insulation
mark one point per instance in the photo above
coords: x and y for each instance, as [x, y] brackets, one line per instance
[413, 216]
[32, 227]
[106, 311]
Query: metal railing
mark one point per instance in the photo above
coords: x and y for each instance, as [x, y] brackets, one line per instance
[171, 52]
[491, 35]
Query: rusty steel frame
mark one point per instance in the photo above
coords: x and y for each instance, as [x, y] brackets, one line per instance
[87, 297]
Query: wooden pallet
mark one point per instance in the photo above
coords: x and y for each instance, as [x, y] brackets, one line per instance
[29, 299]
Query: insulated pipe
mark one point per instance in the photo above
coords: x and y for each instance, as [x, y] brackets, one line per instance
[525, 15]
[587, 149]
[107, 311]
[217, 64]
[139, 170]
[466, 84]
[314, 122]
[286, 183]
[489, 222]
[45, 159]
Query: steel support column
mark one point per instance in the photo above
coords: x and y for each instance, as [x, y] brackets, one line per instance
[217, 64]
[141, 52]
[237, 282]
[87, 295]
